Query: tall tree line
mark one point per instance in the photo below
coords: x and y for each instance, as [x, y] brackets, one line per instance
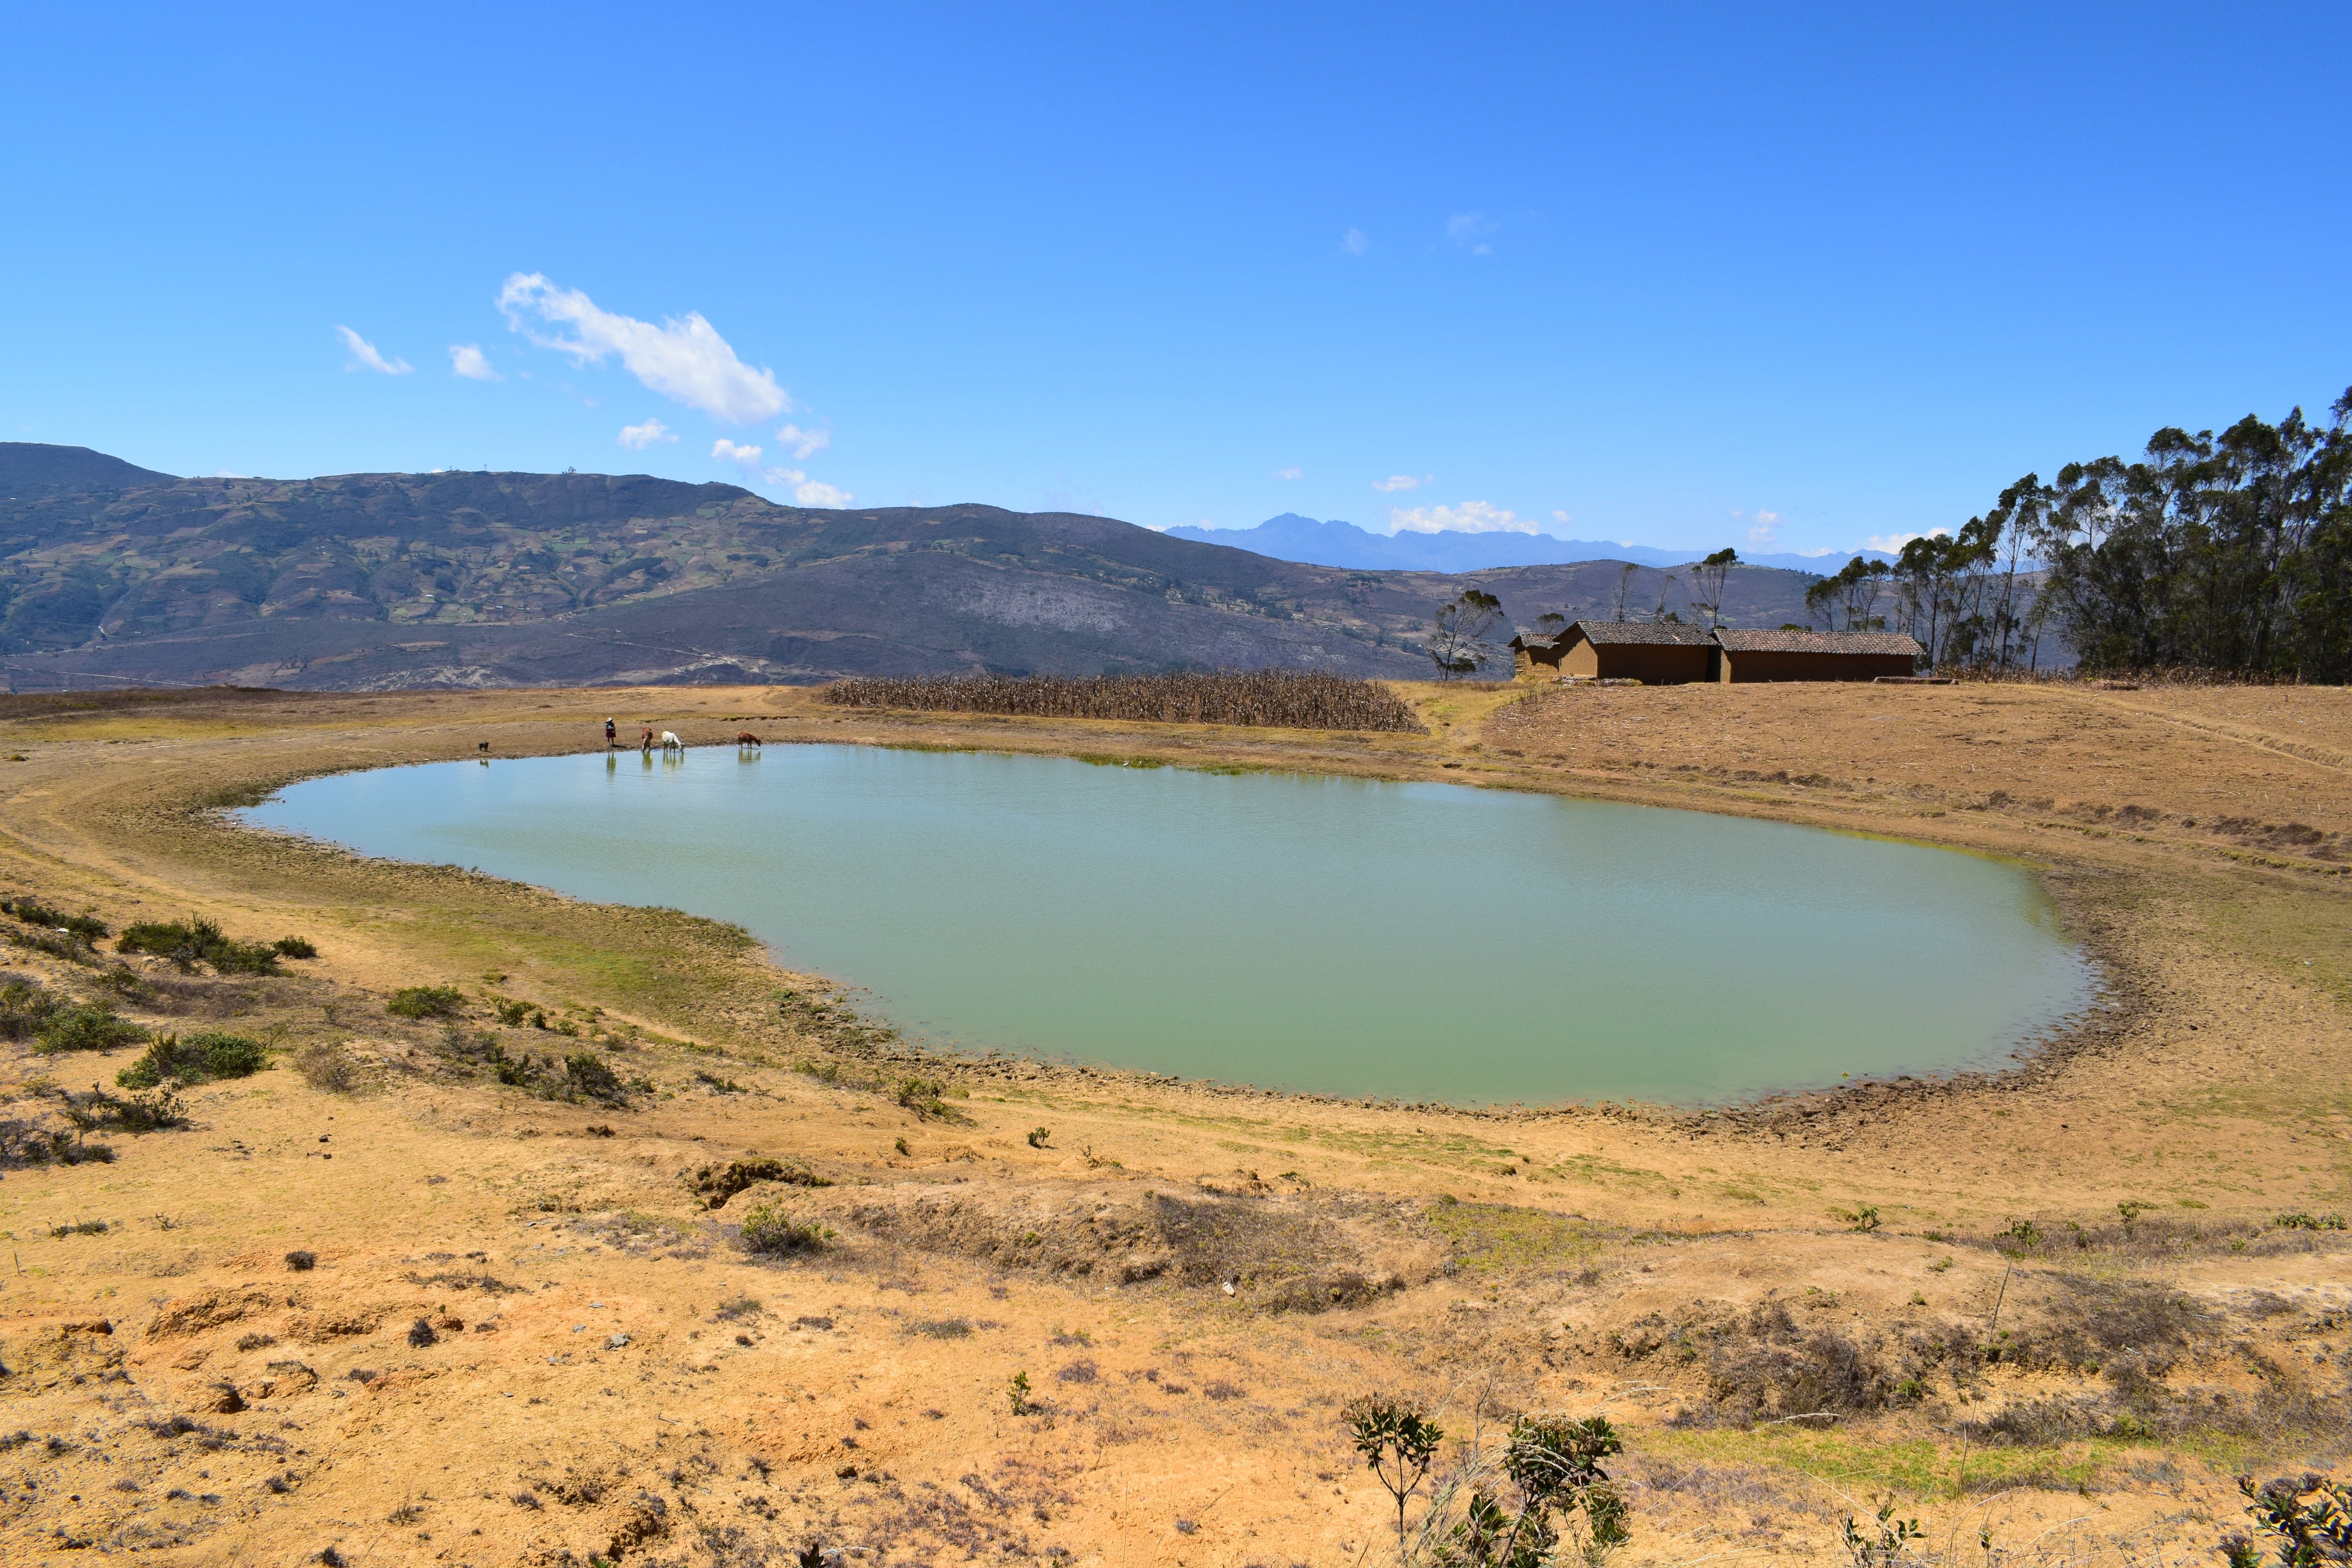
[2229, 553]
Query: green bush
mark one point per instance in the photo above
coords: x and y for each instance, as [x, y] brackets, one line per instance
[198, 941]
[591, 1077]
[99, 1111]
[772, 1230]
[196, 1059]
[293, 947]
[24, 1009]
[34, 914]
[425, 1002]
[87, 1026]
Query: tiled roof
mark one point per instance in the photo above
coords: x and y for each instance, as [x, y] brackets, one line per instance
[1759, 641]
[1667, 632]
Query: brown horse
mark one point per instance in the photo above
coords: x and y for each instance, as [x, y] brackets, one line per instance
[745, 738]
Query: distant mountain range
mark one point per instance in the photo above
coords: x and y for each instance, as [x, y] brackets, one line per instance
[112, 575]
[1291, 537]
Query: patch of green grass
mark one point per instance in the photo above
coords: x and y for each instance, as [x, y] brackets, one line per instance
[1490, 1238]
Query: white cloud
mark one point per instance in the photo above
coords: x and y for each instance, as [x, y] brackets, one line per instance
[1395, 482]
[364, 357]
[805, 491]
[1469, 230]
[1893, 544]
[1767, 530]
[684, 359]
[1355, 242]
[468, 360]
[1470, 517]
[1559, 517]
[1287, 473]
[805, 443]
[637, 437]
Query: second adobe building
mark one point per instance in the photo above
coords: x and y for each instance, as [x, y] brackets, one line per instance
[1666, 653]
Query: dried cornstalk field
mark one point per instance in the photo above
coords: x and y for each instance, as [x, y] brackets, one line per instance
[1287, 699]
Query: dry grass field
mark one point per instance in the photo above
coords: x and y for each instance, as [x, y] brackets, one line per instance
[2050, 1312]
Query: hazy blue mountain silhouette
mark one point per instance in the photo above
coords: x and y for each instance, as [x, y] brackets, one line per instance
[1291, 537]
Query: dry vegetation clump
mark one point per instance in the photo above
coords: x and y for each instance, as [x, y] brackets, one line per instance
[576, 1076]
[1284, 698]
[714, 1184]
[772, 1230]
[1271, 1255]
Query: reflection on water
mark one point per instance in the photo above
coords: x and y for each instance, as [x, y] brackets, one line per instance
[1422, 940]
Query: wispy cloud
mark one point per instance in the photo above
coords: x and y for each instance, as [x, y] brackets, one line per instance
[804, 491]
[684, 358]
[1355, 242]
[805, 444]
[364, 357]
[1767, 528]
[1469, 230]
[1470, 517]
[1287, 473]
[1893, 544]
[637, 437]
[1395, 482]
[468, 360]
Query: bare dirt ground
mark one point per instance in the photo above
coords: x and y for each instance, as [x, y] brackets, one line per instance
[2054, 1306]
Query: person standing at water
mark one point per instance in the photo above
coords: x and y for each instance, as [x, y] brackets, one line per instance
[612, 736]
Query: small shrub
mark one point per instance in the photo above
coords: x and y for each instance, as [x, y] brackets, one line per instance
[942, 1329]
[1018, 1391]
[294, 947]
[82, 1227]
[37, 914]
[425, 1002]
[771, 1230]
[589, 1073]
[196, 1059]
[923, 1097]
[87, 1026]
[2310, 1518]
[1863, 1217]
[328, 1066]
[1037, 1138]
[741, 1307]
[420, 1334]
[301, 1262]
[24, 1009]
[2309, 1222]
[198, 939]
[1079, 1371]
[149, 1112]
[512, 1014]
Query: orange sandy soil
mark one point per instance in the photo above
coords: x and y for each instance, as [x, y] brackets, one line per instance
[1194, 1279]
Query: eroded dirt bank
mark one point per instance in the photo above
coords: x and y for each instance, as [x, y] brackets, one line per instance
[526, 1335]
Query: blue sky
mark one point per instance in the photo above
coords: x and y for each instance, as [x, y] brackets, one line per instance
[1784, 278]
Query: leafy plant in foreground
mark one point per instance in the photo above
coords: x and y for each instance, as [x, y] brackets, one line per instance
[769, 1229]
[2311, 1519]
[1550, 1471]
[1885, 1546]
[1398, 1442]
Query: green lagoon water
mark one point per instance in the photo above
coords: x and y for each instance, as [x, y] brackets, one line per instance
[1430, 941]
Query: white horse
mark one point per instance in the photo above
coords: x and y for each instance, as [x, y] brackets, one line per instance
[669, 738]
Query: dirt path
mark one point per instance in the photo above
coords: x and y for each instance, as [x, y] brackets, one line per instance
[606, 1372]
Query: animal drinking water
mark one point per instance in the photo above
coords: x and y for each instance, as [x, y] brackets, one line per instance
[669, 738]
[745, 738]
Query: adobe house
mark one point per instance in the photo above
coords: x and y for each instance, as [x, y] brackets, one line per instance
[1653, 653]
[1813, 656]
